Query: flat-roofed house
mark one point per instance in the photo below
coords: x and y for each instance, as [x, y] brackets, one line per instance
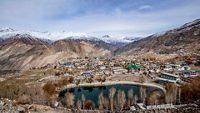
[168, 77]
[190, 73]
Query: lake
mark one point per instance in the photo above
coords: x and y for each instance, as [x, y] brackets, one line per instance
[92, 92]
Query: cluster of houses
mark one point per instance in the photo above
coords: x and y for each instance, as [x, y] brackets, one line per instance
[88, 68]
[178, 73]
[195, 61]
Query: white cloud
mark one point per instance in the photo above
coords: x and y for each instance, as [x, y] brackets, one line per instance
[145, 7]
[30, 15]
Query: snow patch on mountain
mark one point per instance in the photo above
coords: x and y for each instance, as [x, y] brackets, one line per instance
[112, 39]
[6, 29]
[132, 39]
[193, 23]
[9, 32]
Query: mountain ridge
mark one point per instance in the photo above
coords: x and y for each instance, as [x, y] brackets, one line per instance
[23, 51]
[54, 36]
[179, 40]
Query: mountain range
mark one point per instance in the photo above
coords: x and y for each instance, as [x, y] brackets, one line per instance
[21, 50]
[182, 40]
[24, 51]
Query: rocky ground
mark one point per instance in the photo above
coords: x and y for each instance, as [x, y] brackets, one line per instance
[10, 106]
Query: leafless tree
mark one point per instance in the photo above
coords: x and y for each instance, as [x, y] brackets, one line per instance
[79, 104]
[171, 94]
[135, 99]
[101, 101]
[69, 99]
[111, 96]
[131, 98]
[106, 103]
[83, 101]
[155, 97]
[143, 93]
[121, 99]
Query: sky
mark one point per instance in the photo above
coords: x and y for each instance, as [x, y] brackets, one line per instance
[136, 18]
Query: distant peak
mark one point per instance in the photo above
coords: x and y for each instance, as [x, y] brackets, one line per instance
[195, 22]
[132, 39]
[6, 29]
[106, 36]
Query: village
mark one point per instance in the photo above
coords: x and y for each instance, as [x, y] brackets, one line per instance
[118, 69]
[94, 71]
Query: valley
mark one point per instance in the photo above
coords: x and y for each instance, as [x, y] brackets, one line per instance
[89, 74]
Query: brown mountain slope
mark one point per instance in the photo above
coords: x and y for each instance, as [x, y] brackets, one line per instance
[185, 39]
[22, 52]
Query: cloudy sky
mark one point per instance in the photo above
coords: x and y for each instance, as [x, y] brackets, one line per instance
[98, 17]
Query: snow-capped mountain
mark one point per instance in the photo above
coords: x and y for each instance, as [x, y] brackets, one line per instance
[107, 42]
[87, 38]
[9, 32]
[6, 29]
[132, 39]
[181, 40]
[23, 50]
[186, 27]
[112, 39]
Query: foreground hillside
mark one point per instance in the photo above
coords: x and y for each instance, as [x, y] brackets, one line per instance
[185, 39]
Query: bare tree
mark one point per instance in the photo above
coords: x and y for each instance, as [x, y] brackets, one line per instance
[106, 103]
[121, 99]
[179, 95]
[69, 99]
[131, 98]
[79, 104]
[101, 101]
[135, 99]
[143, 93]
[155, 97]
[111, 96]
[175, 93]
[83, 101]
[171, 94]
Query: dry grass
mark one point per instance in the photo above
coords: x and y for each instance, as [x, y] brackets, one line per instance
[24, 99]
[49, 88]
[28, 84]
[151, 56]
[191, 92]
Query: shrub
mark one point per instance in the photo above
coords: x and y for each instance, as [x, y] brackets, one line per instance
[49, 88]
[191, 91]
[89, 104]
[24, 99]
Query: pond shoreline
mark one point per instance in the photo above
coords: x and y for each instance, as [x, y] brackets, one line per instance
[95, 84]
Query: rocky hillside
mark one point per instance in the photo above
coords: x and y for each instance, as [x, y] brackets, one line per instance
[111, 46]
[185, 39]
[23, 51]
